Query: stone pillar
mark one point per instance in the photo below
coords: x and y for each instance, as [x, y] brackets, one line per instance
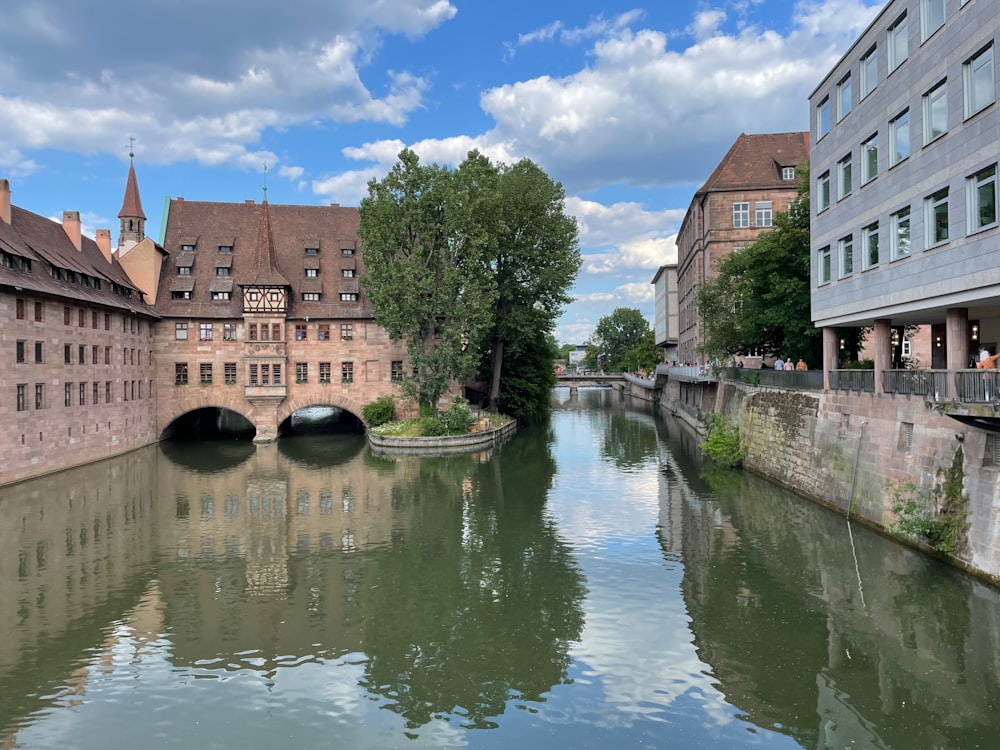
[956, 337]
[831, 355]
[883, 350]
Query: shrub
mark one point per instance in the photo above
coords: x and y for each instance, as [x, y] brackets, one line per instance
[380, 411]
[431, 427]
[458, 418]
[938, 516]
[723, 443]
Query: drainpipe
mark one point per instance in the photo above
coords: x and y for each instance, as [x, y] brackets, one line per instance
[854, 475]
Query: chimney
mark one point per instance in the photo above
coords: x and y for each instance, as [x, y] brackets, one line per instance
[5, 201]
[71, 225]
[103, 240]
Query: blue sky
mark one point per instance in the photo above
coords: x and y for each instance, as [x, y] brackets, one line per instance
[629, 106]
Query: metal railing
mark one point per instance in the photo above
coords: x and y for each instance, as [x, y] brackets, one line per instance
[932, 384]
[805, 380]
[859, 381]
[977, 386]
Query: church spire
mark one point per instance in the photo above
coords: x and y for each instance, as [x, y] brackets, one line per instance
[131, 218]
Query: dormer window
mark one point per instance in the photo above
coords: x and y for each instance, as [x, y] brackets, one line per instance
[187, 248]
[347, 251]
[347, 273]
[224, 248]
[348, 296]
[221, 271]
[312, 273]
[180, 295]
[788, 173]
[183, 270]
[310, 296]
[312, 251]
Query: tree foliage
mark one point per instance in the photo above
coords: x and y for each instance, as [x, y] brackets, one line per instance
[759, 297]
[619, 335]
[463, 262]
[427, 269]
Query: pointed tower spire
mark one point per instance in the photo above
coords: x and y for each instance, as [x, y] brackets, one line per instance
[266, 273]
[132, 220]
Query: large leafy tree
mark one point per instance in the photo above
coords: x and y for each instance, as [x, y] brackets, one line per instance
[617, 335]
[758, 298]
[534, 259]
[427, 269]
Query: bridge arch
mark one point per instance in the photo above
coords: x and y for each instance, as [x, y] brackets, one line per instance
[306, 401]
[173, 409]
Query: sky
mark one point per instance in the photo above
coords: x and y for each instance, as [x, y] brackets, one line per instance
[629, 106]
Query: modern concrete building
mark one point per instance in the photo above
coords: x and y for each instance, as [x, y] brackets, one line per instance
[755, 179]
[665, 310]
[905, 226]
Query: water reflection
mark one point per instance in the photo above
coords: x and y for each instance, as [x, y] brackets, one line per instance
[586, 584]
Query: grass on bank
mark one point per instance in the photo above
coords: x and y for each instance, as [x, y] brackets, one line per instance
[456, 420]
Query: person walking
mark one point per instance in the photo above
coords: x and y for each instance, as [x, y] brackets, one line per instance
[801, 365]
[788, 365]
[779, 363]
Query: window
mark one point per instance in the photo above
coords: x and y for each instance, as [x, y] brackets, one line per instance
[221, 270]
[252, 332]
[899, 138]
[220, 296]
[67, 394]
[204, 331]
[823, 192]
[936, 218]
[93, 319]
[66, 316]
[931, 17]
[107, 388]
[323, 332]
[276, 332]
[107, 355]
[180, 295]
[845, 251]
[869, 159]
[19, 309]
[39, 308]
[205, 373]
[39, 395]
[844, 177]
[81, 317]
[347, 372]
[39, 350]
[301, 372]
[347, 331]
[869, 72]
[67, 354]
[183, 270]
[898, 43]
[82, 354]
[900, 234]
[95, 392]
[83, 394]
[187, 248]
[310, 296]
[347, 251]
[869, 247]
[982, 199]
[229, 332]
[980, 88]
[95, 354]
[824, 265]
[348, 296]
[265, 375]
[324, 372]
[229, 371]
[21, 401]
[254, 377]
[347, 273]
[20, 352]
[225, 248]
[312, 251]
[844, 97]
[935, 105]
[107, 321]
[823, 118]
[741, 215]
[396, 370]
[181, 373]
[762, 213]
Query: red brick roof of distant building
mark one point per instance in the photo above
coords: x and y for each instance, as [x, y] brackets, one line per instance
[756, 161]
[131, 204]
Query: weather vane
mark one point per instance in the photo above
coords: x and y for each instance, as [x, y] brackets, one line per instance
[265, 182]
[131, 147]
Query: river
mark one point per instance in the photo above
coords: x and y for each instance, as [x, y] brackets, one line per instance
[588, 584]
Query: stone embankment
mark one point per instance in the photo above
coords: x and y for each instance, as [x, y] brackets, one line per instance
[485, 434]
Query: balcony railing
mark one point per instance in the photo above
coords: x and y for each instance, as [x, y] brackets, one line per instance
[932, 384]
[977, 386]
[859, 381]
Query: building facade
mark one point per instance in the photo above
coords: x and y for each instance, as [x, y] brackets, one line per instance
[77, 353]
[756, 179]
[665, 310]
[904, 184]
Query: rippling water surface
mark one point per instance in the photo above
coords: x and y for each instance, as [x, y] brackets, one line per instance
[589, 584]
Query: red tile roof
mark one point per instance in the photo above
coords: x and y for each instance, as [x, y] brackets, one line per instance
[131, 204]
[755, 162]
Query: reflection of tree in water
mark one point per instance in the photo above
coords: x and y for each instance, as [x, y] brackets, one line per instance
[478, 601]
[625, 445]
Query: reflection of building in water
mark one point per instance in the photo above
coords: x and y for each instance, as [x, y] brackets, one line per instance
[74, 549]
[260, 538]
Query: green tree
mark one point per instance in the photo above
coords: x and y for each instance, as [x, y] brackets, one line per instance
[759, 297]
[618, 334]
[427, 269]
[534, 258]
